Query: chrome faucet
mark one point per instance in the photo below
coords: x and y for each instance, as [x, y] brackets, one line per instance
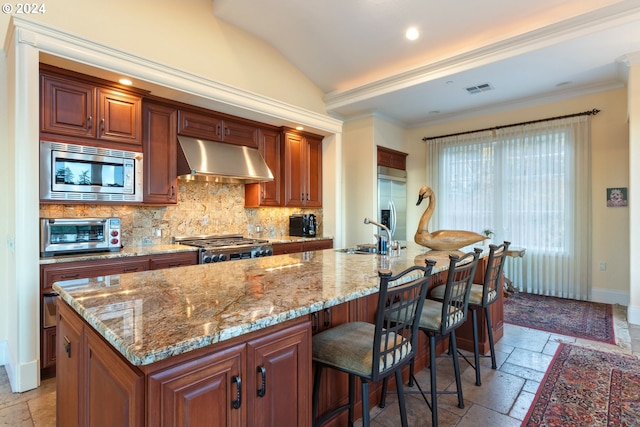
[383, 247]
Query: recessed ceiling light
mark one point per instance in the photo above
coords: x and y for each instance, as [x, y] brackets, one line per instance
[126, 82]
[412, 33]
[299, 128]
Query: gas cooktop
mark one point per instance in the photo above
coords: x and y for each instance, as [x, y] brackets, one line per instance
[216, 248]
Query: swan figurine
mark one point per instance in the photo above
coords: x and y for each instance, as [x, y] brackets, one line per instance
[441, 240]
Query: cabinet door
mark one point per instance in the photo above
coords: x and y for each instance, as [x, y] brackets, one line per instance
[239, 133]
[199, 125]
[159, 146]
[313, 181]
[294, 170]
[69, 396]
[114, 390]
[279, 376]
[200, 392]
[120, 117]
[67, 107]
[267, 193]
[47, 347]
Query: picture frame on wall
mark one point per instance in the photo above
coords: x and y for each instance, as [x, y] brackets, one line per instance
[617, 197]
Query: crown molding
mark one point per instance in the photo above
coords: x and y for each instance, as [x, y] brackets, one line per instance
[608, 17]
[78, 49]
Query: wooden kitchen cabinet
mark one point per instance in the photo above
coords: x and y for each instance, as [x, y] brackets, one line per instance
[69, 394]
[392, 158]
[262, 379]
[82, 109]
[267, 193]
[217, 127]
[200, 392]
[159, 147]
[279, 378]
[96, 387]
[295, 247]
[262, 382]
[302, 169]
[78, 270]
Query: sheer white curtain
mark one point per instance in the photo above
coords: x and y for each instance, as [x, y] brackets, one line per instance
[530, 184]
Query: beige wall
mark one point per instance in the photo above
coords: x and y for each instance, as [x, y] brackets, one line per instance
[610, 168]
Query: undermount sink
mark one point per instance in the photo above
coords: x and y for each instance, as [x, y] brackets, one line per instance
[360, 249]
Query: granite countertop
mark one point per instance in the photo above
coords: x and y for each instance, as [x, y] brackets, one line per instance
[131, 251]
[127, 251]
[153, 315]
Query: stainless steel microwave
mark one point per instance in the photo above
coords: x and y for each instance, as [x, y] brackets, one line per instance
[66, 235]
[85, 173]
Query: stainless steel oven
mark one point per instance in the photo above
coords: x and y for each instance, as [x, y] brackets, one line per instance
[85, 173]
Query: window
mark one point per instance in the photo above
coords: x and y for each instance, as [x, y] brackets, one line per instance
[530, 185]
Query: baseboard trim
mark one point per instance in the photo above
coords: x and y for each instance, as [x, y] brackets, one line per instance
[633, 315]
[607, 296]
[3, 353]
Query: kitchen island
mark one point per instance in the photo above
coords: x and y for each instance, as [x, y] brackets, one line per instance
[157, 347]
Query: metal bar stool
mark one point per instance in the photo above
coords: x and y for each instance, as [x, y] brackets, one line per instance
[439, 320]
[480, 298]
[372, 352]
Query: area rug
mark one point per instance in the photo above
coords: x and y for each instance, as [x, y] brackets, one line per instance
[586, 387]
[581, 319]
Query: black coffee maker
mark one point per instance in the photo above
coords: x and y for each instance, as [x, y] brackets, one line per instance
[303, 225]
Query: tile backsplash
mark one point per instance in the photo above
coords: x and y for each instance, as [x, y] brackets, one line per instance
[202, 208]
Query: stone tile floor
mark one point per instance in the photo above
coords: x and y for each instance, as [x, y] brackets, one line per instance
[502, 401]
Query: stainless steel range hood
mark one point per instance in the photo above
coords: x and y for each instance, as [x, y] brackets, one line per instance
[220, 162]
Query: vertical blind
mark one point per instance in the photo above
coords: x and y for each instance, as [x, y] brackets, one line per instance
[529, 184]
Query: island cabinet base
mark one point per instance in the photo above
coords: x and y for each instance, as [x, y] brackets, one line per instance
[261, 378]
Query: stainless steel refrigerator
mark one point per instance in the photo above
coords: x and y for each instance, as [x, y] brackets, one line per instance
[392, 201]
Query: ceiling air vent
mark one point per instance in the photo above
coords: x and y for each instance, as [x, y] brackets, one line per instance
[479, 88]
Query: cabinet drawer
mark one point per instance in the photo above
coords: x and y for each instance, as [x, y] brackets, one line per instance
[83, 269]
[287, 248]
[173, 260]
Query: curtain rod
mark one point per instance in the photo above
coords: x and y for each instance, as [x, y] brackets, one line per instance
[584, 113]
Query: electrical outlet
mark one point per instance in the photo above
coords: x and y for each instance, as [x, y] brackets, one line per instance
[603, 266]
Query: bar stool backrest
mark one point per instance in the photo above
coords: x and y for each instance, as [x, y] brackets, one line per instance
[455, 303]
[399, 309]
[493, 275]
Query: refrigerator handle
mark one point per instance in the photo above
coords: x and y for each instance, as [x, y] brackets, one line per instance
[394, 217]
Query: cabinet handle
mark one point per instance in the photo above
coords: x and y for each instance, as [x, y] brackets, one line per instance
[128, 269]
[263, 388]
[67, 347]
[327, 319]
[69, 276]
[301, 196]
[314, 325]
[90, 122]
[218, 130]
[238, 401]
[171, 190]
[307, 196]
[227, 131]
[102, 124]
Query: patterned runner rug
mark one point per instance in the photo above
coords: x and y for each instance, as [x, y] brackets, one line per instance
[585, 387]
[581, 319]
